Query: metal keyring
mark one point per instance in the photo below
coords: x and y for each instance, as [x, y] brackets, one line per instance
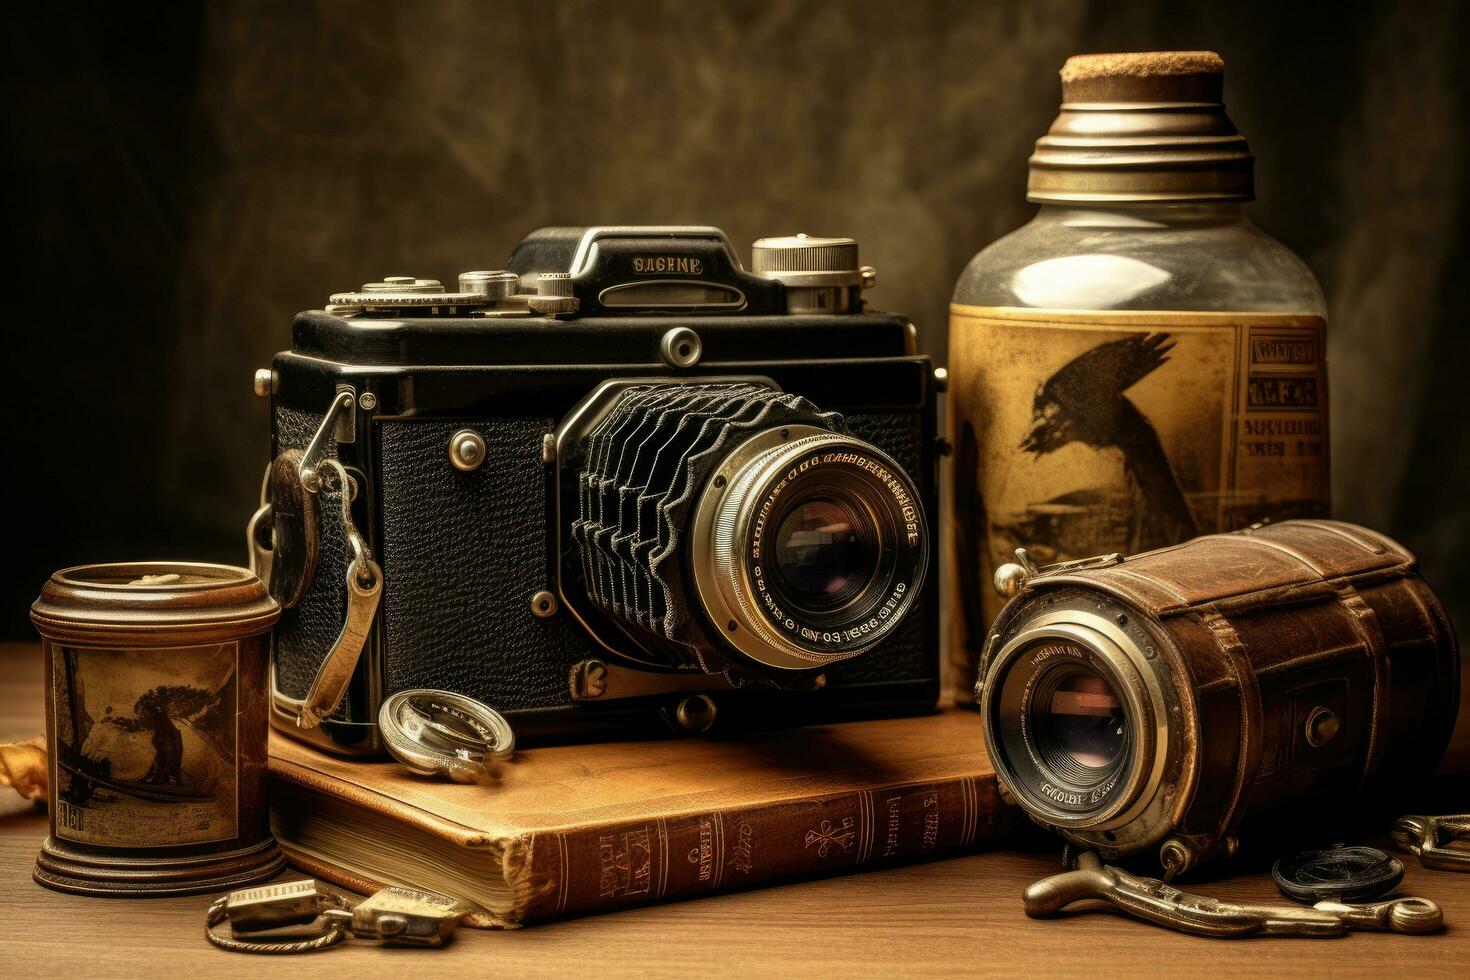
[335, 925]
[413, 734]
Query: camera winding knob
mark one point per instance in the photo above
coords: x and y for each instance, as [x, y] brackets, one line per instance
[810, 261]
[403, 293]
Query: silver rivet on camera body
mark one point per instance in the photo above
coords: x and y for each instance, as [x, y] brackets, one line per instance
[264, 382]
[367, 401]
[466, 450]
[543, 604]
[1176, 857]
[680, 348]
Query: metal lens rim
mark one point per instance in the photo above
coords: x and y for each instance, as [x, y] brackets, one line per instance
[731, 584]
[1018, 765]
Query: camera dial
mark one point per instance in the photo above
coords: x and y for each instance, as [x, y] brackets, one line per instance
[400, 295]
[821, 275]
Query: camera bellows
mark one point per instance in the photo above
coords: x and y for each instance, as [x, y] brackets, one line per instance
[646, 462]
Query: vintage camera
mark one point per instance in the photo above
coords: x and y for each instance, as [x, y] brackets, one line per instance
[1152, 703]
[623, 479]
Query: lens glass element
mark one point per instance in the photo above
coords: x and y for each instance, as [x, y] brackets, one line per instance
[1076, 723]
[1086, 719]
[824, 550]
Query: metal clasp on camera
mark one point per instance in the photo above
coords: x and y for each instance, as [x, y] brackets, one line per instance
[364, 578]
[1011, 577]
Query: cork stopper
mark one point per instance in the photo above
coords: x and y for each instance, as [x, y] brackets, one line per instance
[1146, 126]
[1141, 64]
[1144, 76]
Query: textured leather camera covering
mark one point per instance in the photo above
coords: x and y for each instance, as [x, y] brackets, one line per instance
[462, 554]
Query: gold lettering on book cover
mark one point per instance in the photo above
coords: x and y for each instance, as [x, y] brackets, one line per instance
[825, 836]
[626, 864]
[890, 840]
[704, 853]
[930, 839]
[743, 857]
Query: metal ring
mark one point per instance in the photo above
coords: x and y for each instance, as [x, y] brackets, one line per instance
[416, 738]
[336, 932]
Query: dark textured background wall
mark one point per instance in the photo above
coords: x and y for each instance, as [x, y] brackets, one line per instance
[180, 180]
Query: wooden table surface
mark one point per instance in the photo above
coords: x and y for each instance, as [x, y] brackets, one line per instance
[959, 916]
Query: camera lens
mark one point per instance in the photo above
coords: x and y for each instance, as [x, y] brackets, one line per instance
[809, 547]
[826, 551]
[1080, 727]
[1067, 724]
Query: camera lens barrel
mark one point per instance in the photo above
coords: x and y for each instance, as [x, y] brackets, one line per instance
[809, 546]
[1156, 701]
[1077, 717]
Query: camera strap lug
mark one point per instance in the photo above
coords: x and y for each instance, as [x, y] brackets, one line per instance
[364, 589]
[1161, 904]
[364, 584]
[339, 424]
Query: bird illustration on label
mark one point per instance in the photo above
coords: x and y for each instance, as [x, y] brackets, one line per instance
[1080, 434]
[1084, 402]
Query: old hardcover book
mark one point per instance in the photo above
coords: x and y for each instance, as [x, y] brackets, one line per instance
[584, 828]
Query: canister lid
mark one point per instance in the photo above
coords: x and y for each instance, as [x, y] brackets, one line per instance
[164, 601]
[1144, 126]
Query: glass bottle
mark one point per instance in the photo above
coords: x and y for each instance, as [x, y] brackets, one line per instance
[1138, 364]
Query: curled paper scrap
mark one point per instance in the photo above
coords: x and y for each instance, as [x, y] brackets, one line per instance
[23, 768]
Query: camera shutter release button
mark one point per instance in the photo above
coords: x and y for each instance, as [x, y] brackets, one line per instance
[466, 450]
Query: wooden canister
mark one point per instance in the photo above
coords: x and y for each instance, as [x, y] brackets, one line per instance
[156, 718]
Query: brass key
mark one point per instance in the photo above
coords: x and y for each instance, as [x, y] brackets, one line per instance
[302, 916]
[285, 903]
[1154, 901]
[407, 917]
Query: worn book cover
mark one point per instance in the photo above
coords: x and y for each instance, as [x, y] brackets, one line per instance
[583, 828]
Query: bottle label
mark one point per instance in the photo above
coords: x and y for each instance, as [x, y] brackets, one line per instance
[1083, 433]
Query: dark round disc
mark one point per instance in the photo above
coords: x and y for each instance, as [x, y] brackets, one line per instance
[1339, 874]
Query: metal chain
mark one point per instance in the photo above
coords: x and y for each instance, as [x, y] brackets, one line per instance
[336, 932]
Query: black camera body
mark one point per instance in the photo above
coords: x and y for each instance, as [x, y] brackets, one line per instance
[623, 480]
